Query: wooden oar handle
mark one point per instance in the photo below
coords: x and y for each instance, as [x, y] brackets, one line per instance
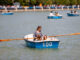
[3, 40]
[66, 35]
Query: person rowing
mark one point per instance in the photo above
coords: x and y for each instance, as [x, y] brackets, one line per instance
[51, 13]
[57, 14]
[71, 11]
[7, 12]
[75, 12]
[0, 11]
[38, 34]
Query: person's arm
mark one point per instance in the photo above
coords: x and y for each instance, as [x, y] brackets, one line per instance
[41, 34]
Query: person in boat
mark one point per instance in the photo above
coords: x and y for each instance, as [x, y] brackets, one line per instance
[8, 11]
[71, 11]
[0, 11]
[38, 34]
[57, 14]
[51, 13]
[75, 12]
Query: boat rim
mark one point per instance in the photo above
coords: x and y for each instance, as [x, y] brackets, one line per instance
[32, 40]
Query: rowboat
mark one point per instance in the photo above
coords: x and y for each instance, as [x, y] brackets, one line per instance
[10, 13]
[48, 43]
[72, 14]
[55, 17]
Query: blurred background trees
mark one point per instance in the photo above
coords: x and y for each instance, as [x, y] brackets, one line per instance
[43, 2]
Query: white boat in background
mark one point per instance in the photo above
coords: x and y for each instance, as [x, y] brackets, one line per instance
[53, 16]
[8, 13]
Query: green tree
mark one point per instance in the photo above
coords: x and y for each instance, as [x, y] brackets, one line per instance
[44, 2]
[61, 2]
[49, 2]
[56, 2]
[73, 2]
[6, 2]
[33, 2]
[65, 2]
[78, 2]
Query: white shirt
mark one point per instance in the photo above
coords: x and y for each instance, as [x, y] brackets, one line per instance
[51, 14]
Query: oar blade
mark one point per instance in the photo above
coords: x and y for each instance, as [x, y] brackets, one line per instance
[66, 35]
[75, 34]
[3, 40]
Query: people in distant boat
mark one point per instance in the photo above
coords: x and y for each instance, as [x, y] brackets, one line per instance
[57, 14]
[51, 13]
[71, 11]
[8, 11]
[0, 11]
[75, 12]
[38, 34]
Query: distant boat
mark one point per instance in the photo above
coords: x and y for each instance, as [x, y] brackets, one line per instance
[8, 13]
[49, 43]
[55, 17]
[72, 14]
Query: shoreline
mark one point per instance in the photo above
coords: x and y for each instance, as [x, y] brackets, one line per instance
[37, 10]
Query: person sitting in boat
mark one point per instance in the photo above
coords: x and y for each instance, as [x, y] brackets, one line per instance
[38, 34]
[51, 14]
[0, 11]
[75, 12]
[8, 11]
[71, 11]
[57, 14]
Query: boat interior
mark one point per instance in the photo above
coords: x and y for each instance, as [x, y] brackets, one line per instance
[32, 36]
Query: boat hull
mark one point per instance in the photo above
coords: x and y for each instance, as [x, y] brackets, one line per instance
[69, 14]
[7, 14]
[54, 17]
[44, 44]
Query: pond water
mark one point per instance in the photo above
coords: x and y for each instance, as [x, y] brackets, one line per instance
[23, 23]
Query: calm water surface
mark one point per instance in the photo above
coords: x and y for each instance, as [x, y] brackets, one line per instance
[23, 23]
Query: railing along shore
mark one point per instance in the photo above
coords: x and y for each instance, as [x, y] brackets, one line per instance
[38, 8]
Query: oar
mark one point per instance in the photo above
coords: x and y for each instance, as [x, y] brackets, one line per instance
[2, 40]
[66, 35]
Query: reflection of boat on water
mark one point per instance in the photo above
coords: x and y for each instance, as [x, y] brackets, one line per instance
[49, 43]
[8, 13]
[55, 17]
[72, 14]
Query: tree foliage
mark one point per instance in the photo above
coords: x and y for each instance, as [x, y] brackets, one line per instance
[73, 2]
[44, 2]
[78, 2]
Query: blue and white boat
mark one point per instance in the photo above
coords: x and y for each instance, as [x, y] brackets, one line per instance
[72, 14]
[48, 43]
[9, 13]
[55, 17]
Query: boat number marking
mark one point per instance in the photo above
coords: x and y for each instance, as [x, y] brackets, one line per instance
[47, 44]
